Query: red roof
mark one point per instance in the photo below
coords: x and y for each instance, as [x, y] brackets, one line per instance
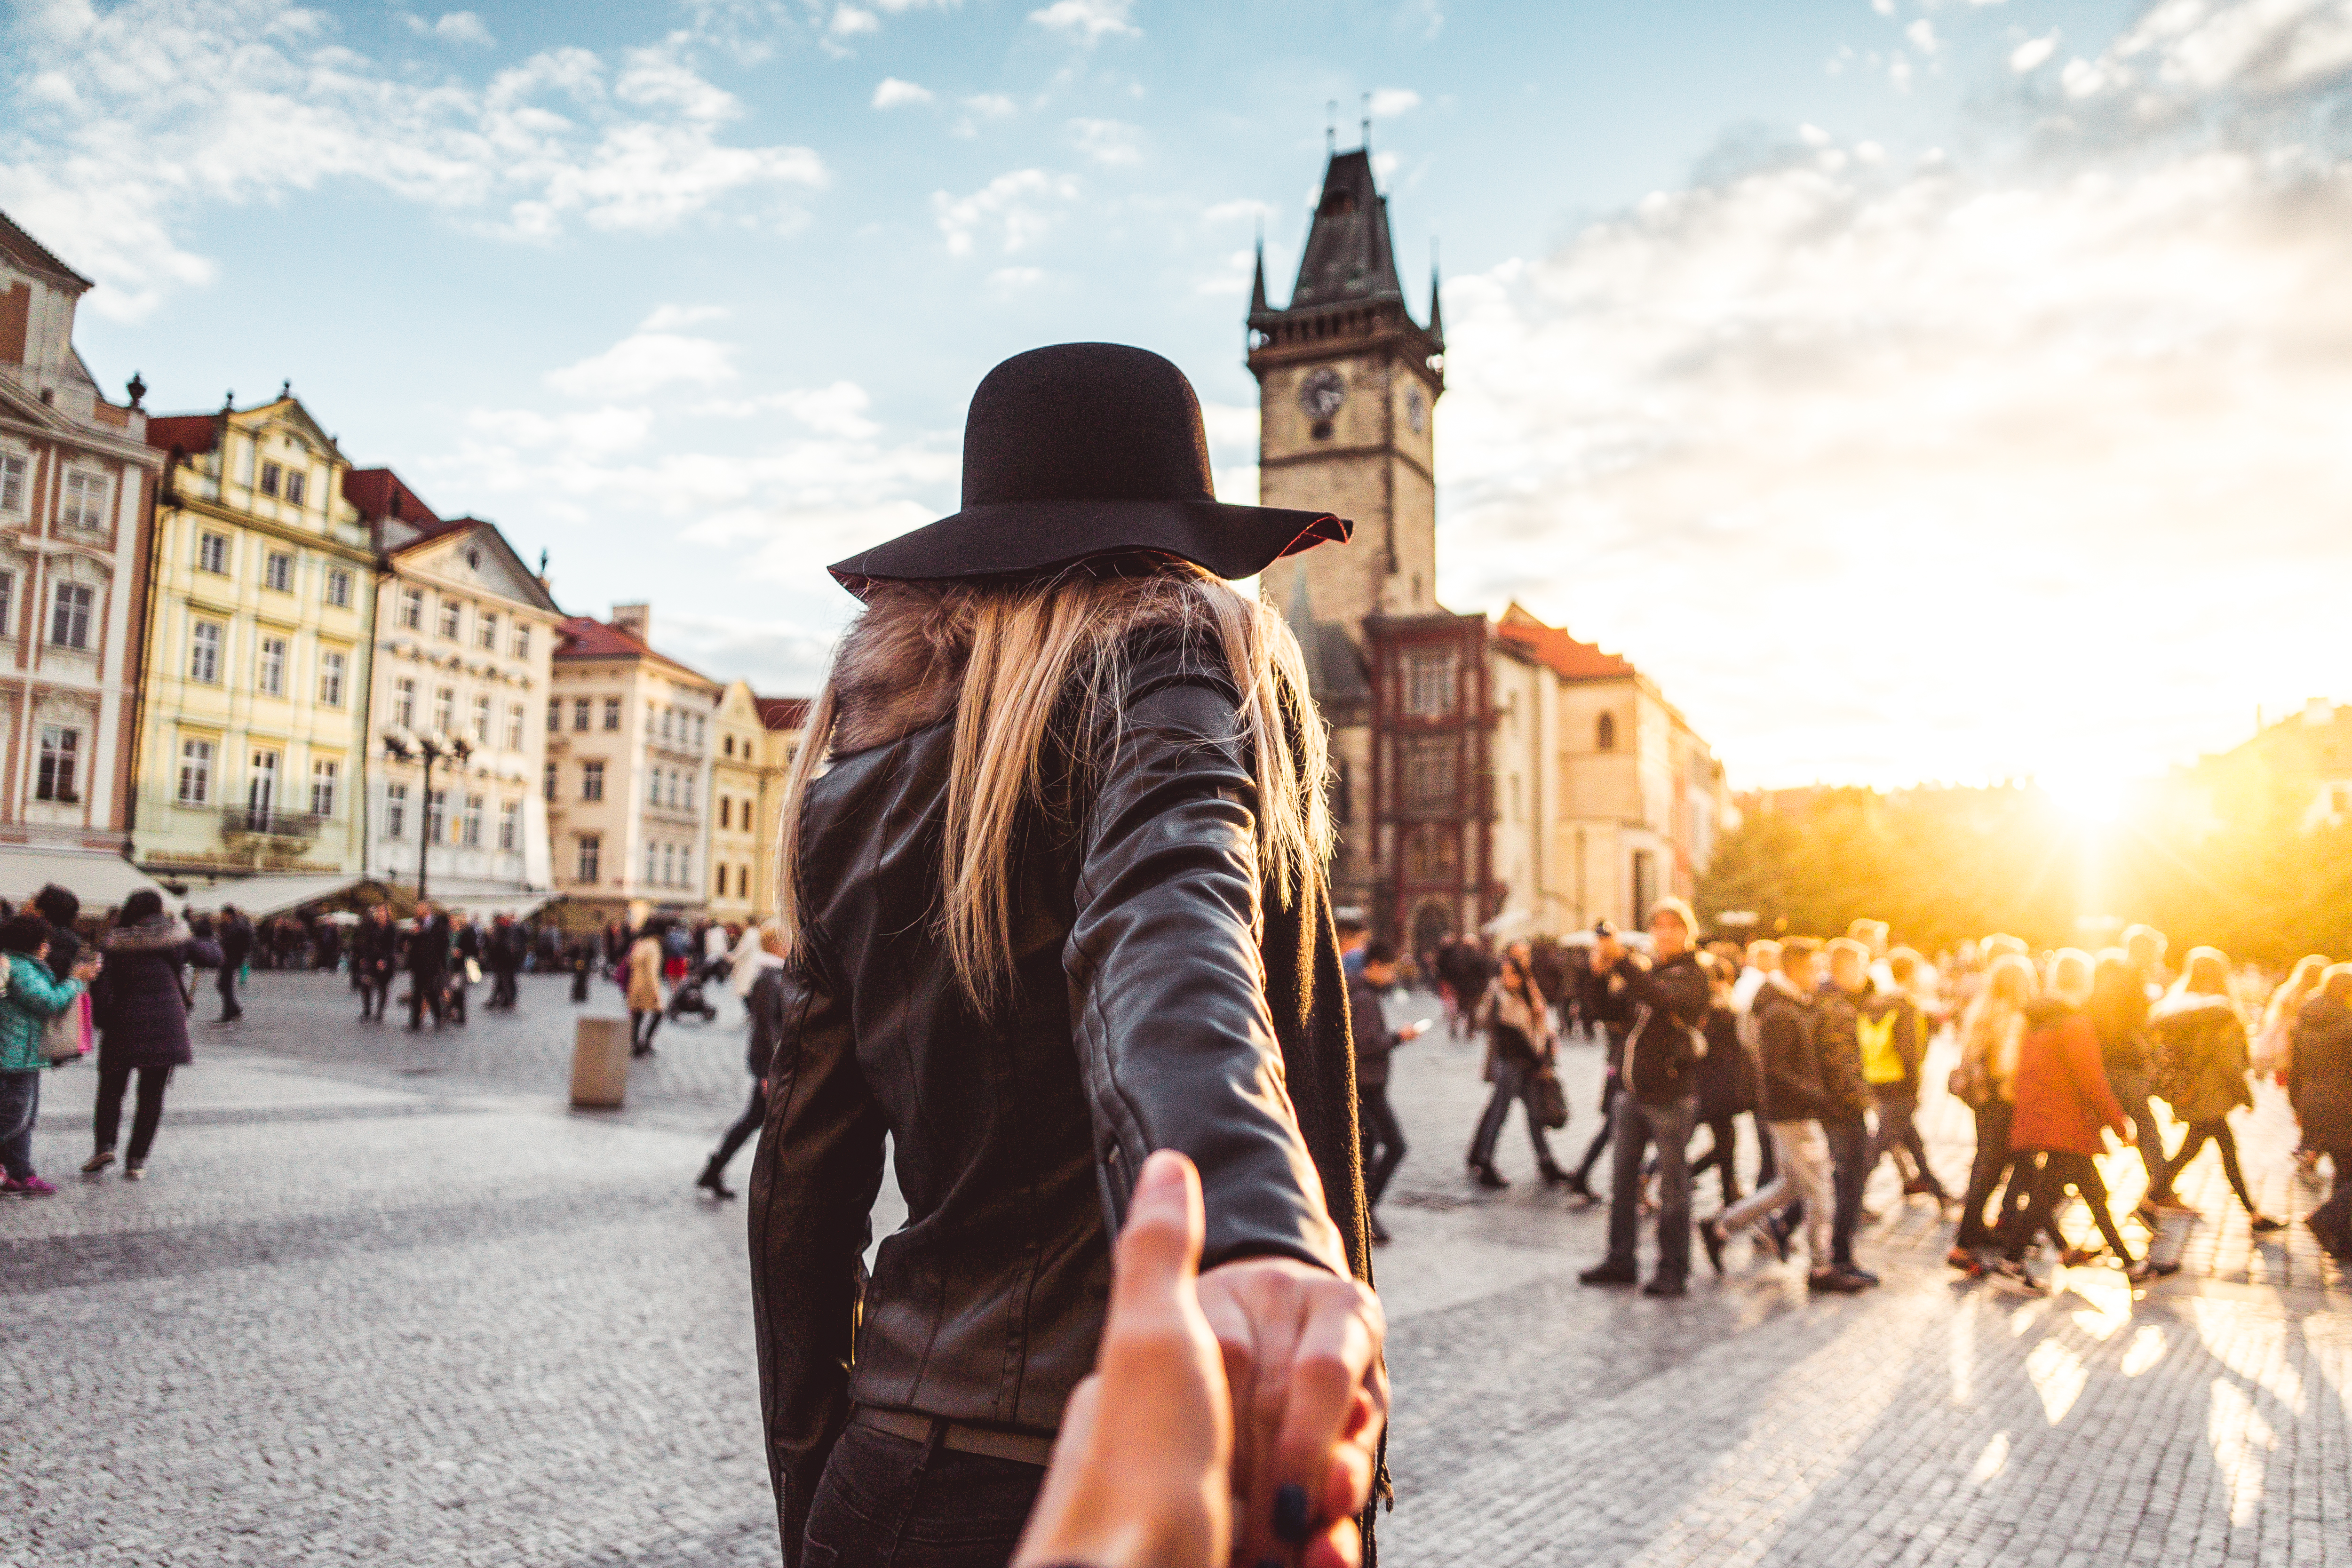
[586, 636]
[1552, 645]
[783, 713]
[379, 493]
[184, 432]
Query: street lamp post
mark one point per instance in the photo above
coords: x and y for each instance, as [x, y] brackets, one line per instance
[409, 746]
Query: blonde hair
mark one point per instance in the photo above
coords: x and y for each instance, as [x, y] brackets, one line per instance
[2296, 986]
[1032, 648]
[2071, 973]
[2205, 971]
[1995, 1021]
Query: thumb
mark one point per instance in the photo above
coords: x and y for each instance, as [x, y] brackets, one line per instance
[1158, 1253]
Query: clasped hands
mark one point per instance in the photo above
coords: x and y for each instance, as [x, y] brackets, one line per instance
[1233, 1416]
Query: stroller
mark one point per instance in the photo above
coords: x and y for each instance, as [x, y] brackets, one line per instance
[688, 999]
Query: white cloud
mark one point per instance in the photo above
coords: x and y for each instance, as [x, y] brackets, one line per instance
[1388, 102]
[1244, 208]
[1898, 73]
[1922, 34]
[848, 21]
[2032, 53]
[1883, 7]
[1015, 280]
[1089, 21]
[1109, 141]
[656, 355]
[154, 110]
[1019, 207]
[893, 93]
[454, 26]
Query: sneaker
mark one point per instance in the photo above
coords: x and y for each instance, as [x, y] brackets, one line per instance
[1856, 1271]
[1663, 1286]
[1918, 1184]
[2078, 1257]
[1836, 1281]
[1710, 1236]
[1967, 1262]
[97, 1161]
[1577, 1187]
[2264, 1225]
[2011, 1276]
[1775, 1232]
[1610, 1274]
[135, 1173]
[31, 1187]
[1486, 1176]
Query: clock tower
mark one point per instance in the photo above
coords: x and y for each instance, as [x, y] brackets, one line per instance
[1348, 389]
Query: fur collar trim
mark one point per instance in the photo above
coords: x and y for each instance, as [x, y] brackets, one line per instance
[147, 936]
[900, 667]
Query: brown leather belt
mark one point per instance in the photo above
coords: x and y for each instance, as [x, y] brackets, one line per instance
[1021, 1447]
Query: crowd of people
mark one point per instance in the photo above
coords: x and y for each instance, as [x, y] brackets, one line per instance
[1822, 1047]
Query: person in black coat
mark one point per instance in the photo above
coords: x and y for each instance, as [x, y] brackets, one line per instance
[428, 964]
[503, 953]
[1727, 1081]
[2319, 1086]
[141, 1012]
[236, 935]
[375, 958]
[1376, 1119]
[766, 1003]
[62, 909]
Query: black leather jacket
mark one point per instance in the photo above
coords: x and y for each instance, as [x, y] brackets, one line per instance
[1160, 1003]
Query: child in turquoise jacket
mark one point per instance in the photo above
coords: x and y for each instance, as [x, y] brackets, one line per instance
[34, 997]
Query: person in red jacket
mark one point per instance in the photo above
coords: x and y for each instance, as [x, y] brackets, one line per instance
[2062, 1105]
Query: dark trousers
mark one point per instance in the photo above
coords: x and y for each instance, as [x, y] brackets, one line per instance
[20, 1107]
[1722, 1157]
[642, 1025]
[149, 1115]
[1985, 1170]
[425, 991]
[1636, 1126]
[580, 983]
[225, 983]
[1849, 1139]
[886, 1502]
[375, 990]
[1611, 1088]
[1382, 1139]
[502, 988]
[754, 1117]
[1768, 1163]
[2136, 1093]
[1514, 1081]
[1898, 1129]
[2217, 1130]
[2332, 1221]
[2058, 1169]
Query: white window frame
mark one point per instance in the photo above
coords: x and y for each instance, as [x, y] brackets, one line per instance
[326, 785]
[277, 570]
[333, 666]
[588, 858]
[72, 608]
[196, 755]
[403, 701]
[59, 780]
[84, 502]
[212, 553]
[451, 619]
[395, 811]
[592, 781]
[204, 653]
[269, 660]
[339, 588]
[412, 609]
[517, 719]
[12, 481]
[509, 825]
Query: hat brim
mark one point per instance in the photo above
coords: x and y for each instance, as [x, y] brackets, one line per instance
[1008, 538]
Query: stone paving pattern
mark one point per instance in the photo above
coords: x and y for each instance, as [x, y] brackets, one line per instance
[384, 1296]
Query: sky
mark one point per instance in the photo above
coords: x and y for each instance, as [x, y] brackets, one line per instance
[1915, 389]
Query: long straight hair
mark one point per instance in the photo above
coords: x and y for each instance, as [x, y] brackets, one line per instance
[1037, 650]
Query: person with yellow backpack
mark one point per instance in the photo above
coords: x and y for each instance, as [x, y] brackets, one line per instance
[1893, 1036]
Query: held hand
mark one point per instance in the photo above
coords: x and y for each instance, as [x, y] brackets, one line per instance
[1302, 1352]
[1151, 1486]
[1414, 1031]
[86, 969]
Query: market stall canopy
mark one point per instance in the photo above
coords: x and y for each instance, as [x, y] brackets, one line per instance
[100, 881]
[519, 905]
[259, 896]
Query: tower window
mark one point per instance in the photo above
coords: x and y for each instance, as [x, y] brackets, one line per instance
[1604, 733]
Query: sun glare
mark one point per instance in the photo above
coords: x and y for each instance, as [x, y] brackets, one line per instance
[2092, 799]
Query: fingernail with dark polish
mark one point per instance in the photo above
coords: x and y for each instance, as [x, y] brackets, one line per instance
[1290, 1514]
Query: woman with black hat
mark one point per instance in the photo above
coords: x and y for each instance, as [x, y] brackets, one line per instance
[1054, 899]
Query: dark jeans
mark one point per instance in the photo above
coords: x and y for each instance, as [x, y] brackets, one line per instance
[1898, 1129]
[1382, 1139]
[580, 983]
[1636, 1126]
[425, 991]
[502, 988]
[2218, 1129]
[1611, 1088]
[886, 1502]
[375, 990]
[1985, 1170]
[1514, 1081]
[2136, 1093]
[20, 1104]
[642, 1025]
[225, 983]
[2332, 1221]
[1722, 1158]
[755, 1115]
[1849, 1138]
[2060, 1169]
[108, 1117]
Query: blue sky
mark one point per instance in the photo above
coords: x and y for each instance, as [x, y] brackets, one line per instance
[1923, 343]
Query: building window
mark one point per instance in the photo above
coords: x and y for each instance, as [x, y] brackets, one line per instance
[7, 600]
[725, 807]
[685, 865]
[1645, 885]
[469, 823]
[271, 473]
[1429, 773]
[581, 708]
[448, 623]
[212, 553]
[395, 811]
[437, 815]
[331, 666]
[546, 783]
[669, 865]
[701, 732]
[12, 482]
[592, 781]
[403, 702]
[1604, 732]
[612, 713]
[294, 486]
[445, 709]
[1429, 684]
[554, 714]
[261, 785]
[510, 824]
[195, 771]
[412, 609]
[326, 774]
[486, 631]
[521, 646]
[1430, 855]
[482, 721]
[653, 787]
[742, 881]
[514, 726]
[278, 572]
[339, 588]
[85, 501]
[589, 864]
[203, 653]
[653, 862]
[61, 750]
[270, 668]
[69, 615]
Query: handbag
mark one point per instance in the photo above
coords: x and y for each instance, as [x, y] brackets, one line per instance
[1547, 1099]
[65, 1036]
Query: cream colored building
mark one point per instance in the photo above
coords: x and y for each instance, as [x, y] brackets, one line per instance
[735, 817]
[465, 639]
[253, 732]
[628, 779]
[77, 477]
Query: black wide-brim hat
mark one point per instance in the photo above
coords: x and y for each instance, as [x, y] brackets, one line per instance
[1087, 451]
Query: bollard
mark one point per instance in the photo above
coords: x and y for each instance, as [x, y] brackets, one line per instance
[600, 1063]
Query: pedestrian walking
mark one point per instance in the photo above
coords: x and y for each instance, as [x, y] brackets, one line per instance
[504, 948]
[33, 997]
[235, 935]
[1893, 1032]
[767, 1004]
[1846, 1098]
[2319, 1086]
[1727, 1082]
[580, 955]
[139, 1005]
[429, 938]
[1519, 1048]
[1058, 899]
[1603, 1002]
[1376, 1121]
[375, 959]
[1992, 1031]
[2201, 1070]
[1657, 1102]
[642, 986]
[1790, 1097]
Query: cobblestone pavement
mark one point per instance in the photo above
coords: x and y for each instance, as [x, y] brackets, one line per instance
[383, 1296]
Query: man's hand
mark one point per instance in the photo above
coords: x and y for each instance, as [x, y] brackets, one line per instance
[1310, 1397]
[1149, 1486]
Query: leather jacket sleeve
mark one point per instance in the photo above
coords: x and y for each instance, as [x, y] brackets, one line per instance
[809, 1233]
[1176, 1043]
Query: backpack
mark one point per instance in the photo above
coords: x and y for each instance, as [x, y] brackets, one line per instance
[1881, 1062]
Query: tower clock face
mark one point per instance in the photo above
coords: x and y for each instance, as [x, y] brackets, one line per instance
[1321, 393]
